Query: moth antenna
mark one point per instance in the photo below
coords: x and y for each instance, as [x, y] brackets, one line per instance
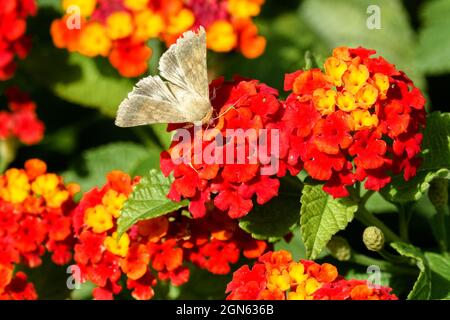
[231, 107]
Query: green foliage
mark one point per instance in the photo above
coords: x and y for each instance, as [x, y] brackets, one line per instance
[440, 275]
[279, 216]
[78, 79]
[436, 161]
[322, 217]
[422, 287]
[125, 156]
[148, 200]
[434, 44]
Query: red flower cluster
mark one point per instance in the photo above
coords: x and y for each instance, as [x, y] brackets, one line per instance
[35, 217]
[358, 121]
[120, 29]
[244, 109]
[277, 277]
[152, 249]
[13, 42]
[21, 121]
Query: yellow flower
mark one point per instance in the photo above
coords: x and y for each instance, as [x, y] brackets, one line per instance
[364, 120]
[335, 68]
[148, 25]
[297, 272]
[98, 219]
[355, 77]
[56, 198]
[113, 202]
[367, 96]
[94, 40]
[45, 184]
[180, 22]
[244, 8]
[382, 83]
[305, 290]
[324, 101]
[17, 187]
[220, 36]
[117, 247]
[136, 5]
[346, 101]
[279, 280]
[87, 7]
[342, 53]
[119, 25]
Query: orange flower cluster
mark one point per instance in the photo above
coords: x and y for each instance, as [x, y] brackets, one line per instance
[35, 217]
[152, 249]
[120, 29]
[360, 120]
[277, 277]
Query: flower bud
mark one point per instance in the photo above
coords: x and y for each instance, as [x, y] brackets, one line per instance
[438, 192]
[373, 238]
[339, 248]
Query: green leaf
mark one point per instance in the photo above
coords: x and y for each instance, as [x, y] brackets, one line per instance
[344, 23]
[440, 275]
[279, 216]
[436, 161]
[125, 156]
[148, 200]
[322, 216]
[78, 79]
[54, 4]
[422, 287]
[434, 44]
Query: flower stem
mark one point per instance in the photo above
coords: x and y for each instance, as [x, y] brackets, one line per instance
[384, 265]
[442, 211]
[403, 223]
[369, 219]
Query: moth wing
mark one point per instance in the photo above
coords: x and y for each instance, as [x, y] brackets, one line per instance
[184, 63]
[150, 101]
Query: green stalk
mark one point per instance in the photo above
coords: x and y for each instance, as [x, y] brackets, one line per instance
[384, 265]
[442, 211]
[403, 223]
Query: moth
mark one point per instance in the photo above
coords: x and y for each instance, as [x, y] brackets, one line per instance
[180, 94]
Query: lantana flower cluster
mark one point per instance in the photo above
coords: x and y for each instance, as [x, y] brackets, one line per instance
[35, 217]
[239, 105]
[360, 120]
[21, 121]
[13, 41]
[152, 250]
[120, 29]
[276, 276]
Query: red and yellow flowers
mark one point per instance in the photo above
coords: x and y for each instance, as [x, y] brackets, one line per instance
[21, 122]
[360, 120]
[277, 277]
[221, 169]
[35, 217]
[120, 29]
[13, 41]
[152, 249]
